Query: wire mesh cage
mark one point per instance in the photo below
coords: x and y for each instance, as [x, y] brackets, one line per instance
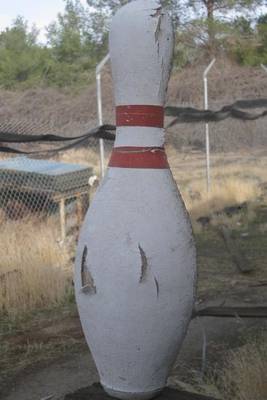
[38, 188]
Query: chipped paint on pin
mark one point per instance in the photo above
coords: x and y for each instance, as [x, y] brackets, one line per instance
[141, 253]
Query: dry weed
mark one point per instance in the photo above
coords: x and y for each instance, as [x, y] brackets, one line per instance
[246, 372]
[233, 181]
[33, 267]
[243, 376]
[224, 193]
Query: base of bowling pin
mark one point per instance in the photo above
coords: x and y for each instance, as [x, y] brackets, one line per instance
[132, 395]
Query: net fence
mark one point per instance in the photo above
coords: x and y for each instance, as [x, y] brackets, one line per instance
[45, 186]
[59, 182]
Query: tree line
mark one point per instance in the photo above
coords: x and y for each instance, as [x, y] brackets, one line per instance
[78, 39]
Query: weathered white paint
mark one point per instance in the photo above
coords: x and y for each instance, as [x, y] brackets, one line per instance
[141, 136]
[141, 48]
[134, 333]
[135, 266]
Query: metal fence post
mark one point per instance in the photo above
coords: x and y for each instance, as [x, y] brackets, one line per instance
[205, 80]
[99, 111]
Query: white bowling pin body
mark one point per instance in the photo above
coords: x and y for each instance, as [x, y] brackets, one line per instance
[135, 267]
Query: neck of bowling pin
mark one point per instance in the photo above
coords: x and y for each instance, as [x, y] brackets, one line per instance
[137, 136]
[141, 47]
[140, 125]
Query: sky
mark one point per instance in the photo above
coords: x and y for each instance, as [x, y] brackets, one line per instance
[39, 12]
[36, 12]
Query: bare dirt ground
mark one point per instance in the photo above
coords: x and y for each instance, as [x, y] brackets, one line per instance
[78, 370]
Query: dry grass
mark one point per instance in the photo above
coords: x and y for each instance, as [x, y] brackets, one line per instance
[243, 375]
[84, 156]
[246, 373]
[234, 180]
[33, 267]
[224, 192]
[240, 375]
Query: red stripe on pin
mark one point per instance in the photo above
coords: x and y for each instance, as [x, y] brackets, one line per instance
[139, 157]
[140, 115]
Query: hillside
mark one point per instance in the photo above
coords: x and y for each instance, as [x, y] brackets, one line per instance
[67, 112]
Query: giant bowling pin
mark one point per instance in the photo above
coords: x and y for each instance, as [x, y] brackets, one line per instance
[135, 266]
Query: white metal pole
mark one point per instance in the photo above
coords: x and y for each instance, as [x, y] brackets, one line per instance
[264, 67]
[99, 111]
[206, 105]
